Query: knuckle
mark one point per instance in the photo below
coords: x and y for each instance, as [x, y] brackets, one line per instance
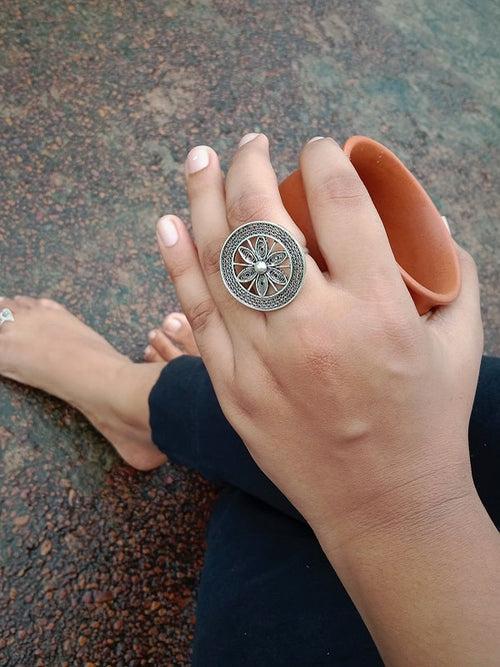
[210, 256]
[200, 314]
[249, 206]
[245, 402]
[400, 334]
[178, 269]
[338, 185]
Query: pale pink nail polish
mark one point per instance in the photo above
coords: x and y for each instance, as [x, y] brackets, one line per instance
[314, 139]
[197, 159]
[148, 351]
[152, 334]
[444, 219]
[167, 231]
[248, 137]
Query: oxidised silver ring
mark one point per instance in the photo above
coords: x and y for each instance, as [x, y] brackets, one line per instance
[6, 315]
[262, 265]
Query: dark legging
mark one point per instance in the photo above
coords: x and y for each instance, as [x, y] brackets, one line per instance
[268, 595]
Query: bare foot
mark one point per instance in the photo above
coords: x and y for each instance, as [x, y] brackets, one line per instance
[173, 339]
[49, 348]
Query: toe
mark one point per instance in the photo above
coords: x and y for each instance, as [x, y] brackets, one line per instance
[178, 329]
[165, 347]
[5, 302]
[49, 303]
[27, 301]
[6, 326]
[151, 355]
[14, 305]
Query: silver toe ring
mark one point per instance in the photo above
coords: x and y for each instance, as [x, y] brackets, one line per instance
[6, 315]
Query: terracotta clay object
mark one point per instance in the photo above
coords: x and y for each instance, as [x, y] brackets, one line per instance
[422, 246]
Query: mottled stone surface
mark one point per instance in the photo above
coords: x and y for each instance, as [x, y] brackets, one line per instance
[100, 102]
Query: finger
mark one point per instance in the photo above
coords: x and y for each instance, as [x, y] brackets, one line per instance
[205, 187]
[350, 234]
[252, 194]
[181, 260]
[252, 188]
[465, 311]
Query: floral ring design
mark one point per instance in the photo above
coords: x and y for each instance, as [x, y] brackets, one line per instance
[262, 265]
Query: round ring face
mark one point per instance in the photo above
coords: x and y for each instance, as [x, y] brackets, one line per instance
[262, 265]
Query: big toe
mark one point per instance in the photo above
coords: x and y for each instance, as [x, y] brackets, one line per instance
[49, 303]
[16, 305]
[178, 329]
[27, 301]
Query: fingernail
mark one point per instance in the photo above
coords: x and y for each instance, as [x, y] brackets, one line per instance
[152, 334]
[173, 324]
[148, 351]
[197, 159]
[314, 139]
[443, 218]
[248, 137]
[167, 231]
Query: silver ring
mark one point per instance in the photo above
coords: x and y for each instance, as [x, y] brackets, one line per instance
[262, 265]
[6, 315]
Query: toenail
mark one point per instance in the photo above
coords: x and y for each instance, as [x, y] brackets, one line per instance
[152, 334]
[173, 324]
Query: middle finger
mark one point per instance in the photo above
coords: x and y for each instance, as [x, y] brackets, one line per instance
[252, 194]
[252, 188]
[205, 188]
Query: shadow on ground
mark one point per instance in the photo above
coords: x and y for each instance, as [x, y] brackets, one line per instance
[100, 103]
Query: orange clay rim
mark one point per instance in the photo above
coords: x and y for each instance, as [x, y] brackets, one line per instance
[434, 298]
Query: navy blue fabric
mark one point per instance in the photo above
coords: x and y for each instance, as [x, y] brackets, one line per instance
[268, 595]
[187, 423]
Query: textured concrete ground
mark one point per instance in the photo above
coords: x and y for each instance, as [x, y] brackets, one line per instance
[100, 102]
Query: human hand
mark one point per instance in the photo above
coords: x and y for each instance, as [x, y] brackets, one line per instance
[346, 398]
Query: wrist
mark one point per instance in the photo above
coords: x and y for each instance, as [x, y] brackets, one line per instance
[400, 511]
[428, 568]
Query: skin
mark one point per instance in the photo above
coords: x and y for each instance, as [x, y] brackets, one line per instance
[48, 348]
[360, 413]
[174, 338]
